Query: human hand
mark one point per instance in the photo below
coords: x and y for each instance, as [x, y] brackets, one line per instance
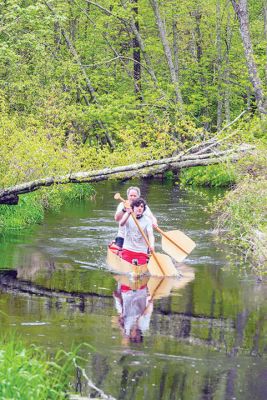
[127, 204]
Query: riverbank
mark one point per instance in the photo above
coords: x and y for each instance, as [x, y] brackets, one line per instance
[32, 207]
[240, 216]
[241, 221]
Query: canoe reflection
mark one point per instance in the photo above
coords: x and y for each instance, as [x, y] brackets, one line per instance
[134, 299]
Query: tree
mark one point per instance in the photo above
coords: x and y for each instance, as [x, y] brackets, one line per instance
[241, 11]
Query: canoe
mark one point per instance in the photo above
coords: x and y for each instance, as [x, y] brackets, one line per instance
[117, 264]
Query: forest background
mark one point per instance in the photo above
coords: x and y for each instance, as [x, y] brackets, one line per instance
[86, 85]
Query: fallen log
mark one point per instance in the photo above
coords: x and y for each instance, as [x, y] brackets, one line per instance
[145, 169]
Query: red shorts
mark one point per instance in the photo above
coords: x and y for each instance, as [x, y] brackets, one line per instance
[125, 288]
[129, 256]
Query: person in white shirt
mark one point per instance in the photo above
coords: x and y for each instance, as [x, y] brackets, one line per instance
[134, 308]
[134, 245]
[133, 192]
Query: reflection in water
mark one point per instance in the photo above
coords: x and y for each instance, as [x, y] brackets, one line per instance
[134, 299]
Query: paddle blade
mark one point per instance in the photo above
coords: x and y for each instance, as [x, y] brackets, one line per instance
[161, 265]
[177, 244]
[159, 287]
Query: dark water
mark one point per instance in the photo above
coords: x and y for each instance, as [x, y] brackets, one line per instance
[204, 339]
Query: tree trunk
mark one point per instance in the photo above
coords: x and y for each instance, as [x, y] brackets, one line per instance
[144, 170]
[227, 68]
[167, 52]
[176, 47]
[219, 66]
[198, 15]
[141, 45]
[72, 22]
[132, 29]
[136, 54]
[241, 11]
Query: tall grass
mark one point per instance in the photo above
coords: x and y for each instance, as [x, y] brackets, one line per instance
[29, 374]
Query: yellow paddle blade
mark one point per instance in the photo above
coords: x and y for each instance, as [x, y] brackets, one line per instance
[159, 287]
[161, 265]
[177, 244]
[121, 266]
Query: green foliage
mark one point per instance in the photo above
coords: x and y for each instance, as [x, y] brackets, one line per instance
[28, 211]
[241, 218]
[212, 175]
[42, 80]
[27, 373]
[31, 207]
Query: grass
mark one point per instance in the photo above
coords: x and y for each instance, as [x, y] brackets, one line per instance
[28, 373]
[31, 207]
[219, 175]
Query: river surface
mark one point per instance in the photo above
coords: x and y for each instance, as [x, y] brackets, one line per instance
[203, 335]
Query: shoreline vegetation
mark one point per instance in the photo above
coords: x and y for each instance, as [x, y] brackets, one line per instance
[32, 207]
[27, 372]
[239, 217]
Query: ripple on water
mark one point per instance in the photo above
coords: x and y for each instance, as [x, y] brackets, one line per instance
[37, 323]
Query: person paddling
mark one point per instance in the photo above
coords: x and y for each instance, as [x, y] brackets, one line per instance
[133, 192]
[134, 245]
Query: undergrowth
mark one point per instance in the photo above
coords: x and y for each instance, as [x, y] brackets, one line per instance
[242, 217]
[31, 207]
[219, 175]
[28, 373]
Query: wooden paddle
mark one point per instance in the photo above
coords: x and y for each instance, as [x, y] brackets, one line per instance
[159, 264]
[176, 243]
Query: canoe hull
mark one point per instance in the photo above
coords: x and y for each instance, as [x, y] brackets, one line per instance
[117, 264]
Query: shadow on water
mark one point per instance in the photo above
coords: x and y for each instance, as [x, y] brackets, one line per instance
[201, 336]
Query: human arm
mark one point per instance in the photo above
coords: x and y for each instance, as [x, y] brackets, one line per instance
[125, 216]
[150, 235]
[121, 210]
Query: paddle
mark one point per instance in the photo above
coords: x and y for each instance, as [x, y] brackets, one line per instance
[176, 243]
[159, 264]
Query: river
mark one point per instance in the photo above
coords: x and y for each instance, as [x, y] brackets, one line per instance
[202, 337]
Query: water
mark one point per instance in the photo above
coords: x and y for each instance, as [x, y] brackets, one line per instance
[203, 335]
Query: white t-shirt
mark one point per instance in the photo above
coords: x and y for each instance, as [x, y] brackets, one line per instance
[121, 230]
[133, 306]
[133, 239]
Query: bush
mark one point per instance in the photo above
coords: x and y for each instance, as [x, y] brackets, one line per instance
[218, 175]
